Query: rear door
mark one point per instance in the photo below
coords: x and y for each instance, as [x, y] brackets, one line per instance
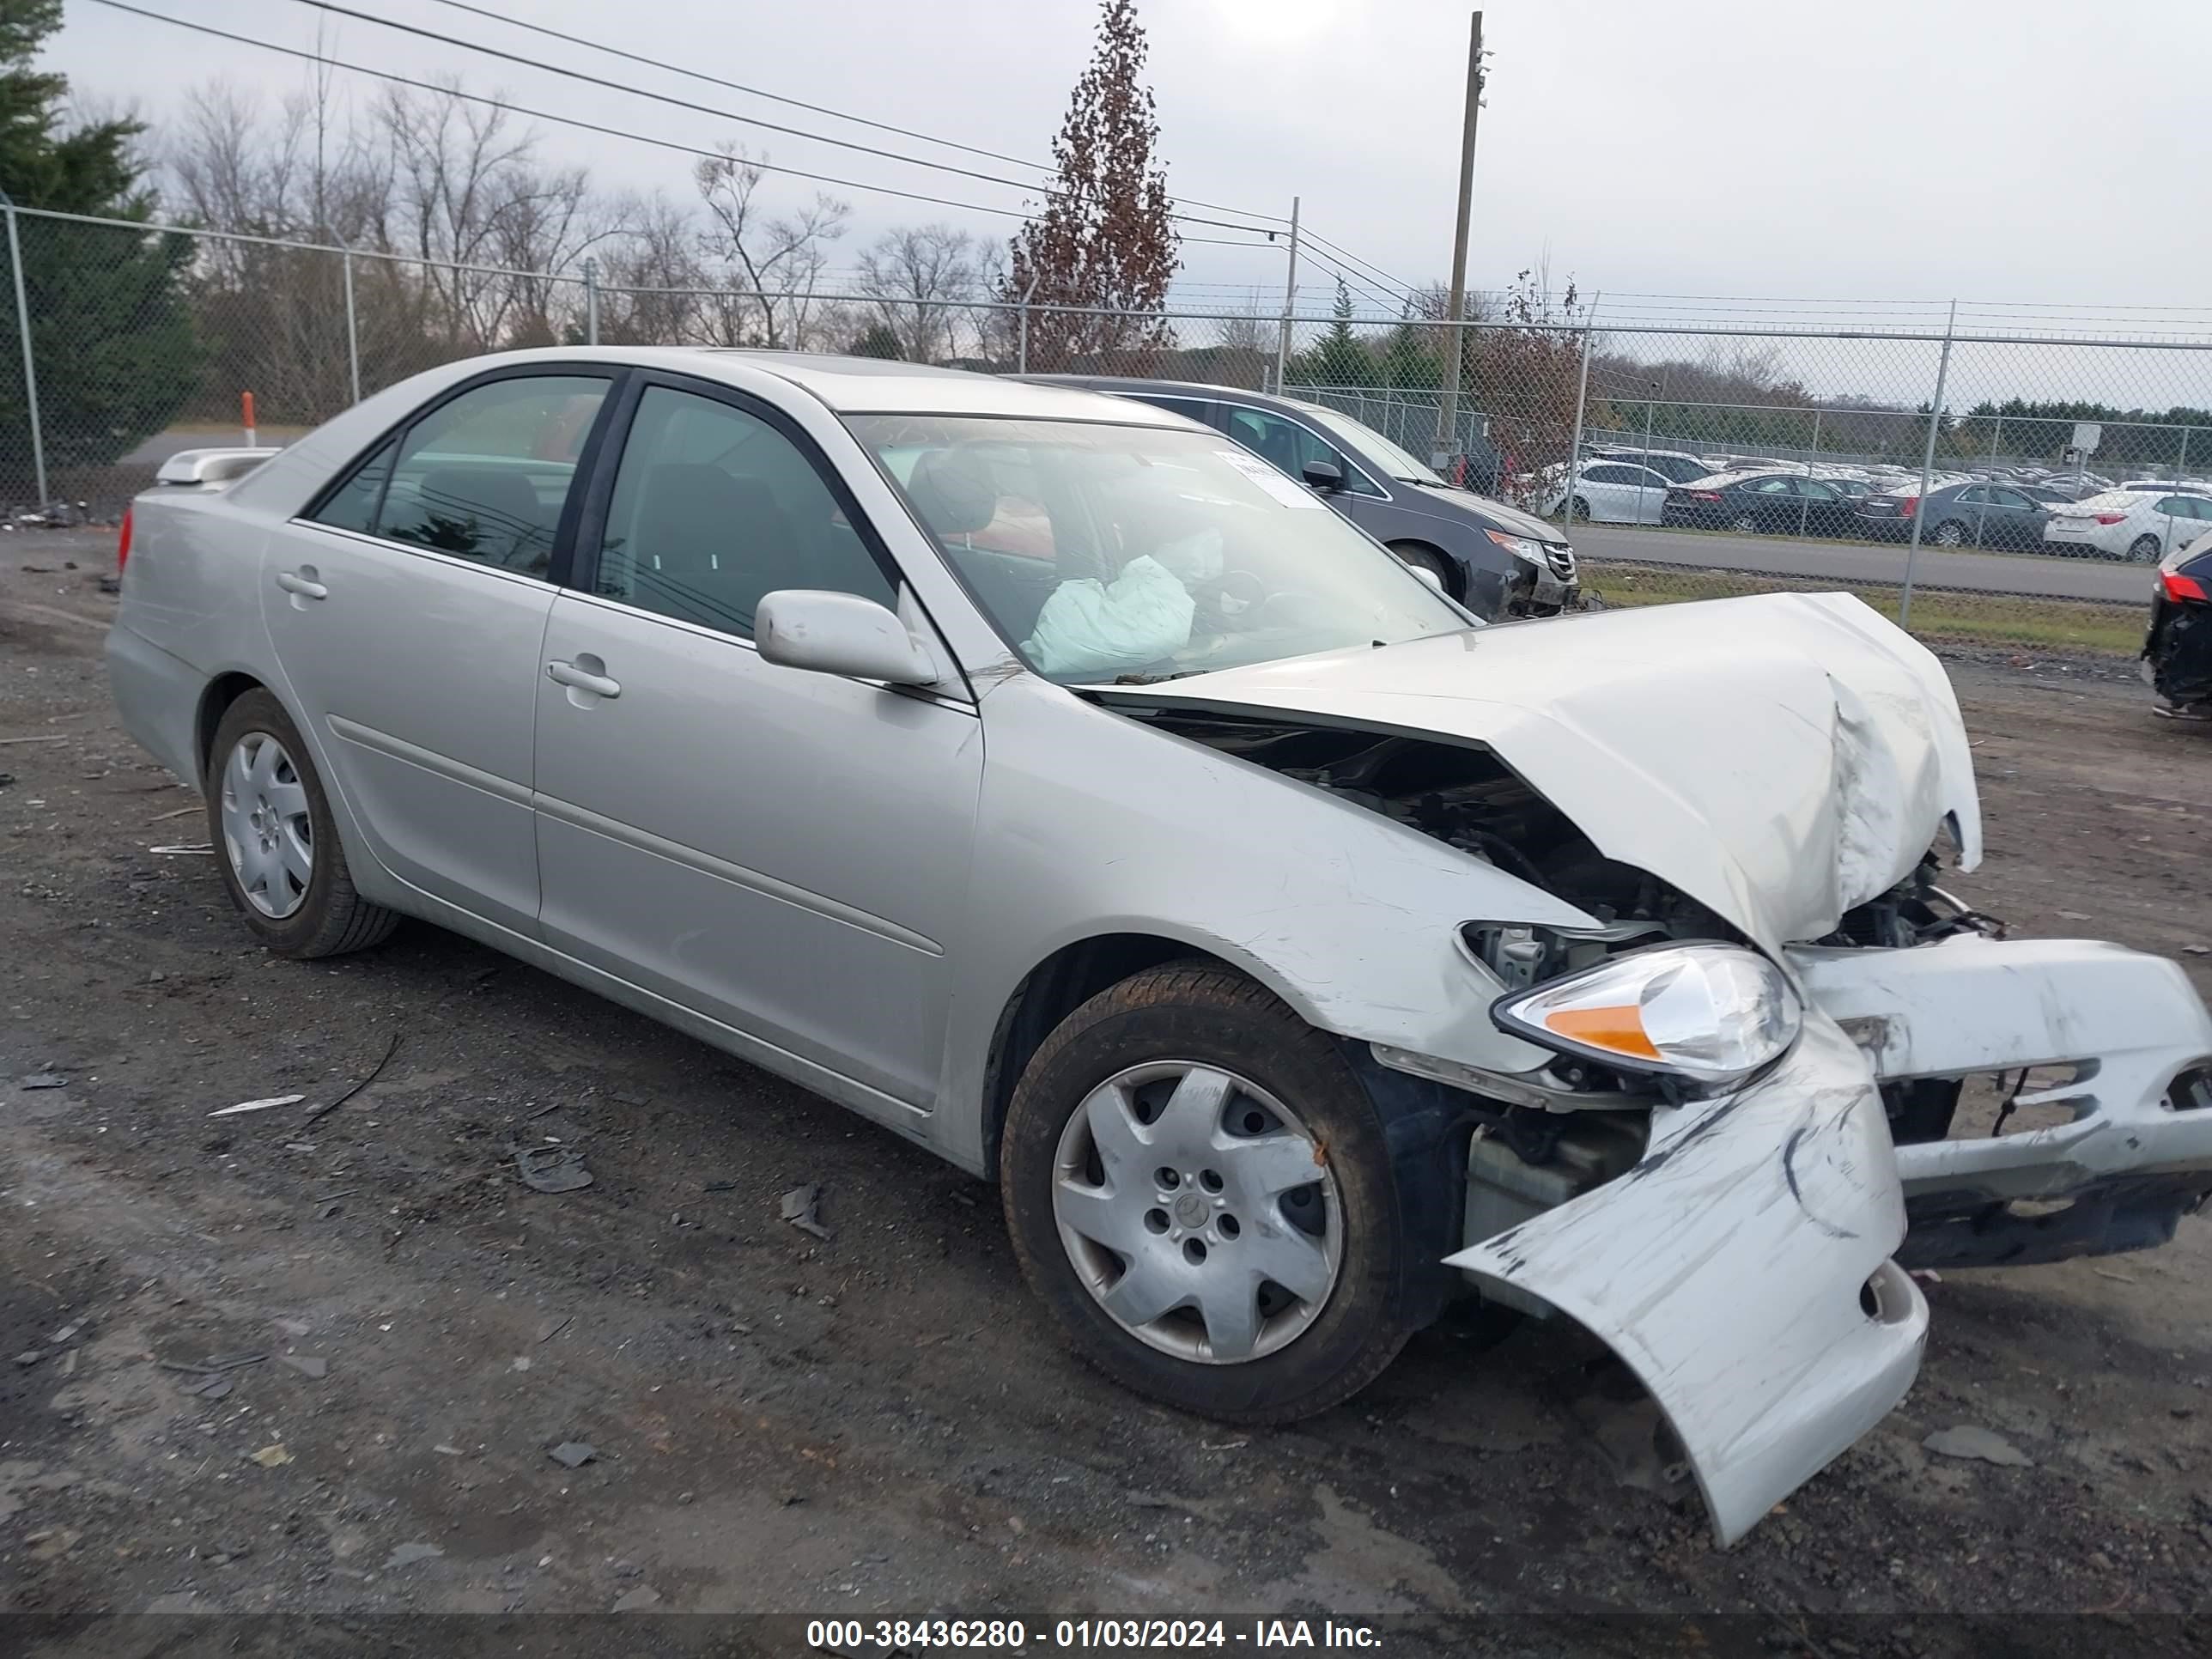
[782, 852]
[1772, 502]
[407, 607]
[2016, 518]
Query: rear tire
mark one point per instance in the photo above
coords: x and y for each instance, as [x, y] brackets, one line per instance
[2144, 550]
[1744, 523]
[1080, 1156]
[1950, 533]
[270, 825]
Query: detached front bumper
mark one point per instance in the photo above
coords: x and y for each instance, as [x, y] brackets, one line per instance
[2126, 1045]
[1742, 1270]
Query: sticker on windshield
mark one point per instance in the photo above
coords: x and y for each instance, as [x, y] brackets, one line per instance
[1288, 491]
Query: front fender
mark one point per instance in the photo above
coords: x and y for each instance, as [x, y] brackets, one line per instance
[1741, 1271]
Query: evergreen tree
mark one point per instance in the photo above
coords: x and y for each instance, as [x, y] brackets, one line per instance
[1340, 359]
[110, 334]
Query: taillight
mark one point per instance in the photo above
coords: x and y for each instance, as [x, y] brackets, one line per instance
[122, 544]
[2179, 587]
[1705, 494]
[2110, 517]
[1907, 506]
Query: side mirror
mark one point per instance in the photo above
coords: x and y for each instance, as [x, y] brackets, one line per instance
[1324, 476]
[838, 634]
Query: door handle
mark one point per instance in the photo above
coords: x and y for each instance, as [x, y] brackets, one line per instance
[302, 583]
[582, 679]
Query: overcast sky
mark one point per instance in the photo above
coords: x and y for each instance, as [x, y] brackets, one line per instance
[2033, 152]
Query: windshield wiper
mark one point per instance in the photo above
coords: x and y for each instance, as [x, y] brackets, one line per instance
[1155, 679]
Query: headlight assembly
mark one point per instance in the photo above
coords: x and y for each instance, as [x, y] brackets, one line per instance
[1522, 546]
[1710, 1013]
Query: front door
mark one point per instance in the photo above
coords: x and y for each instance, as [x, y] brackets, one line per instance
[783, 852]
[407, 608]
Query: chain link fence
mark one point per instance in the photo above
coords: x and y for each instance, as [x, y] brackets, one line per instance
[1997, 488]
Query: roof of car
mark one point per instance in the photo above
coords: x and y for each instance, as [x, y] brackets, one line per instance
[866, 385]
[1129, 385]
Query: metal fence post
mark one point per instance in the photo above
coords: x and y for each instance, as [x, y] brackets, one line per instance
[1290, 302]
[1927, 465]
[591, 302]
[2180, 471]
[1804, 503]
[1022, 344]
[1982, 511]
[30, 368]
[1582, 398]
[353, 329]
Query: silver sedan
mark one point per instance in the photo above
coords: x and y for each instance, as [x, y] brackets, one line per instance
[1056, 783]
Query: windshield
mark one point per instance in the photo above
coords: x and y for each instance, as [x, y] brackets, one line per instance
[1370, 446]
[1110, 552]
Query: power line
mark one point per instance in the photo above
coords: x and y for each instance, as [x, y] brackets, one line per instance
[583, 125]
[797, 103]
[1307, 233]
[332, 6]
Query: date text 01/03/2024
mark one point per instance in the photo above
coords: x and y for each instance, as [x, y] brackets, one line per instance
[879, 1636]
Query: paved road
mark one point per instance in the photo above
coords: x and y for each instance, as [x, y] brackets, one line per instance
[1871, 562]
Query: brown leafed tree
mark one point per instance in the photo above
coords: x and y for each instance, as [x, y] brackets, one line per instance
[1105, 239]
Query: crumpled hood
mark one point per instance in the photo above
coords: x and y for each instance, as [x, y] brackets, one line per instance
[1780, 759]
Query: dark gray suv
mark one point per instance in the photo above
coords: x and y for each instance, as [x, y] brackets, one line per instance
[1494, 560]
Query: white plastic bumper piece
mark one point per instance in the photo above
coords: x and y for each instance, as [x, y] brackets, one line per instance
[2128, 1024]
[1740, 1269]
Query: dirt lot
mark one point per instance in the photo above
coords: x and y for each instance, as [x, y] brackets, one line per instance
[882, 1422]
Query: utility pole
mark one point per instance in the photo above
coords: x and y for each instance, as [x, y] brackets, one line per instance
[1290, 301]
[1447, 442]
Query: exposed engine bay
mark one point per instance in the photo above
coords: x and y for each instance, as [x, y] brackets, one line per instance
[1466, 796]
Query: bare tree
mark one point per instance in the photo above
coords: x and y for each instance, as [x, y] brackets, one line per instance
[772, 261]
[919, 279]
[655, 289]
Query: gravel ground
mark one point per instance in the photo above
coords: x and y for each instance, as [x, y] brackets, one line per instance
[881, 1422]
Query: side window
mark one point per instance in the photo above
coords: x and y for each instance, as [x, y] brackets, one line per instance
[2011, 498]
[1191, 409]
[1779, 485]
[1288, 445]
[353, 506]
[2175, 506]
[484, 477]
[1814, 489]
[713, 508]
[1973, 496]
[1608, 472]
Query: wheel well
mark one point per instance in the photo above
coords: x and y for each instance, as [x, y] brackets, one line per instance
[222, 691]
[1454, 573]
[1051, 991]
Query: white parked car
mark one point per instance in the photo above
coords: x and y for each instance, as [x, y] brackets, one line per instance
[1612, 492]
[2140, 525]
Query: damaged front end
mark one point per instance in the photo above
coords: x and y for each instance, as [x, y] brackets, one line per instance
[1736, 1236]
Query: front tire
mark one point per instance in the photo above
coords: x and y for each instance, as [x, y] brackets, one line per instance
[1199, 1189]
[1418, 557]
[276, 840]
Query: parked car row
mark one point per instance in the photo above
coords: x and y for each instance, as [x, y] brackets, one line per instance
[2141, 519]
